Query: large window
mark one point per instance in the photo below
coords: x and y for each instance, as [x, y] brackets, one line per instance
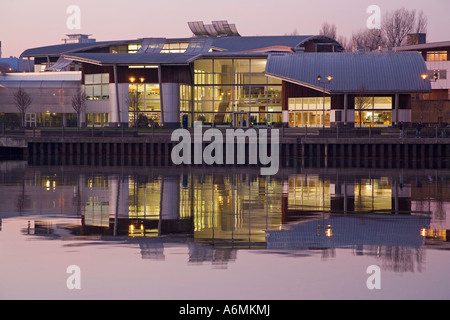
[373, 111]
[229, 88]
[309, 111]
[144, 98]
[97, 86]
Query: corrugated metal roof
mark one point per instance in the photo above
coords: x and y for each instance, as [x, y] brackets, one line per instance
[131, 58]
[349, 231]
[352, 72]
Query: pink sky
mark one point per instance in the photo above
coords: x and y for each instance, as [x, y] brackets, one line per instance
[29, 23]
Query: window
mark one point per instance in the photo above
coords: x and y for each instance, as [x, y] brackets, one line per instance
[134, 47]
[437, 74]
[97, 86]
[224, 86]
[373, 111]
[175, 47]
[309, 111]
[118, 49]
[147, 101]
[437, 56]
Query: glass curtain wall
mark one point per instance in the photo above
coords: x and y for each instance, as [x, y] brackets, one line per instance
[235, 92]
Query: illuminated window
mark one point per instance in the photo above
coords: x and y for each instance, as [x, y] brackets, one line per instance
[176, 47]
[147, 102]
[373, 111]
[134, 47]
[437, 56]
[309, 111]
[224, 87]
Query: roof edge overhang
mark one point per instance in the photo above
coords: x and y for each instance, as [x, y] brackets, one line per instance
[336, 92]
[94, 45]
[139, 63]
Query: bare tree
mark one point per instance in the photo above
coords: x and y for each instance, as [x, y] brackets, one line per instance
[328, 30]
[344, 42]
[133, 101]
[399, 23]
[79, 104]
[368, 39]
[422, 23]
[362, 102]
[22, 100]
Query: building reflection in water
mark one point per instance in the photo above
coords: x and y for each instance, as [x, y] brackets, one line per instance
[216, 214]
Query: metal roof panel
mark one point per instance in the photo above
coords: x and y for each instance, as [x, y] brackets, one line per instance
[352, 72]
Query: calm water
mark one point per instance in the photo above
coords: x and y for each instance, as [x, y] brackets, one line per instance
[138, 232]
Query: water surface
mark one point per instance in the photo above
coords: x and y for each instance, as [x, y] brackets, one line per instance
[142, 232]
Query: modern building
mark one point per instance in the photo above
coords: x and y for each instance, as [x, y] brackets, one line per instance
[351, 89]
[224, 79]
[433, 107]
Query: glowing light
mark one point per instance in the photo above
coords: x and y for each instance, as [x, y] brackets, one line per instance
[424, 76]
[328, 231]
[423, 232]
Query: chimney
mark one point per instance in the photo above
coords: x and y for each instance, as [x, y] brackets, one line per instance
[416, 38]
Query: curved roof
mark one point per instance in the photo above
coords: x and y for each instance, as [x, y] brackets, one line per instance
[374, 72]
[227, 43]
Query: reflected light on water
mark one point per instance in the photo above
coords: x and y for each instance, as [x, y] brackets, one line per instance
[196, 217]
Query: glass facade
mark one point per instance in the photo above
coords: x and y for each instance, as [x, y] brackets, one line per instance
[235, 92]
[373, 111]
[145, 99]
[309, 111]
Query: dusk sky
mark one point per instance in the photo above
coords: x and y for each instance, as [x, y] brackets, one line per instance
[29, 23]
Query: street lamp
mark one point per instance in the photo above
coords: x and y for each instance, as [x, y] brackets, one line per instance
[425, 77]
[319, 80]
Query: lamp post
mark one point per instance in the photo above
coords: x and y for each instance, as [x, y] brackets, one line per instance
[319, 80]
